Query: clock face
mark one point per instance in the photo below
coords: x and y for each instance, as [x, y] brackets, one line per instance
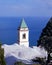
[51, 54]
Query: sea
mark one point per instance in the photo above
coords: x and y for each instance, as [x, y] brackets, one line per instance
[9, 29]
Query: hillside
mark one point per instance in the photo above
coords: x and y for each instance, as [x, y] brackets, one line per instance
[45, 39]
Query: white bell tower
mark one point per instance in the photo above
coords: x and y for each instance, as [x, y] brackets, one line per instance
[23, 34]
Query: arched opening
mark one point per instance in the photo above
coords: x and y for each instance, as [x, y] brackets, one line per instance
[24, 36]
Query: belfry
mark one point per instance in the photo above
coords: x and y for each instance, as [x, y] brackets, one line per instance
[23, 34]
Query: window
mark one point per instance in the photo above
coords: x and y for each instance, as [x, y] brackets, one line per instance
[24, 36]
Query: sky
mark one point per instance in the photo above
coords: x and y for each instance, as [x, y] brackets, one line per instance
[26, 8]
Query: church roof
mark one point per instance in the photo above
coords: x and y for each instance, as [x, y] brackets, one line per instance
[23, 24]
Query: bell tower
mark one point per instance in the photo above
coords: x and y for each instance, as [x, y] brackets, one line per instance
[23, 34]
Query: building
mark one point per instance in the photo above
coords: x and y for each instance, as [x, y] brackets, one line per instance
[23, 34]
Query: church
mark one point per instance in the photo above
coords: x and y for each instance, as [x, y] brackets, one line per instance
[23, 34]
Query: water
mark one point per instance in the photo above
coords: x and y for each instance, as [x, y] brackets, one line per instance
[9, 26]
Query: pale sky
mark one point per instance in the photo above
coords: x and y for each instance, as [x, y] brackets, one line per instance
[25, 7]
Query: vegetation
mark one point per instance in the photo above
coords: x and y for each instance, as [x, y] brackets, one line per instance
[45, 39]
[2, 61]
[19, 63]
[40, 61]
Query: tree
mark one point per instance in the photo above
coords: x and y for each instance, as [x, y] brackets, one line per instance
[41, 61]
[45, 39]
[2, 61]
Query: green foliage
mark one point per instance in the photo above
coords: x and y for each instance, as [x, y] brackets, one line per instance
[0, 44]
[2, 61]
[45, 39]
[19, 63]
[36, 64]
[41, 61]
